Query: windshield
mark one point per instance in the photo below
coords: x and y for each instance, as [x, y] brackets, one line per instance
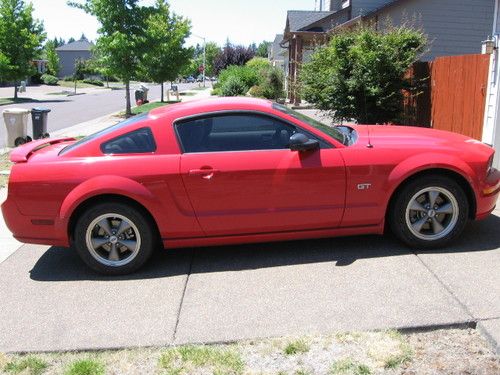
[328, 130]
[105, 131]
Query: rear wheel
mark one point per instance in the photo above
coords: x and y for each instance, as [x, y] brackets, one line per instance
[114, 238]
[429, 212]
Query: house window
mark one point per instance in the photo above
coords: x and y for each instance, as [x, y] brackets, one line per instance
[346, 3]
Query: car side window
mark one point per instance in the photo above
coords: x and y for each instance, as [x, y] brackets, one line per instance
[234, 132]
[136, 142]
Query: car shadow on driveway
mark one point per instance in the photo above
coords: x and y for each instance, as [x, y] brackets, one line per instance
[59, 264]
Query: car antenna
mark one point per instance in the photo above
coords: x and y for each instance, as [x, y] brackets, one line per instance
[369, 145]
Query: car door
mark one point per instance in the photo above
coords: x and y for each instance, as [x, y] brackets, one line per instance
[242, 178]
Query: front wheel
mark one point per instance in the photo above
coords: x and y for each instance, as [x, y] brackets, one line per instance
[429, 212]
[114, 238]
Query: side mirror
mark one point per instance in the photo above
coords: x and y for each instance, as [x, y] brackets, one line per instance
[300, 142]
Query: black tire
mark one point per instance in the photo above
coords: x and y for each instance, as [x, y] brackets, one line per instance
[115, 213]
[406, 220]
[28, 139]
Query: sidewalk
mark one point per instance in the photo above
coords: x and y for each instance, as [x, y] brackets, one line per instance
[45, 92]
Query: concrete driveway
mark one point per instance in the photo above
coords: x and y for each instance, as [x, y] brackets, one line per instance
[50, 301]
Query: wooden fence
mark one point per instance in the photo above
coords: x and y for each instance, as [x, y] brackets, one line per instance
[450, 95]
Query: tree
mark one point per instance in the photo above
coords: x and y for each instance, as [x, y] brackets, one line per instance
[71, 40]
[232, 55]
[52, 58]
[165, 34]
[262, 49]
[58, 42]
[21, 37]
[83, 37]
[121, 41]
[212, 50]
[360, 74]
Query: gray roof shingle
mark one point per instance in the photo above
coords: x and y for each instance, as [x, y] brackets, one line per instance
[276, 49]
[79, 45]
[298, 20]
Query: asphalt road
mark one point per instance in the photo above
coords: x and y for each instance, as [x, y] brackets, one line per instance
[72, 110]
[51, 301]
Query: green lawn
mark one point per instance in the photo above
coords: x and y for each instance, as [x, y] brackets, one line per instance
[7, 101]
[79, 85]
[147, 107]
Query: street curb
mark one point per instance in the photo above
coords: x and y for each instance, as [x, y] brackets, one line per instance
[167, 344]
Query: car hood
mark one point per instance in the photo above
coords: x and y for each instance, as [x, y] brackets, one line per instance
[389, 136]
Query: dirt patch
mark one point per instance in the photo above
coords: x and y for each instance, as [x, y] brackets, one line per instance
[453, 351]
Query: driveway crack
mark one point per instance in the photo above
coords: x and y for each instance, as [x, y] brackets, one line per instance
[447, 288]
[179, 311]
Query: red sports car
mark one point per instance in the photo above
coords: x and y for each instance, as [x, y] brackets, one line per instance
[239, 170]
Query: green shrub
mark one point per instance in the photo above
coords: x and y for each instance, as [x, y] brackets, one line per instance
[94, 82]
[49, 80]
[257, 91]
[360, 74]
[36, 78]
[245, 74]
[273, 85]
[234, 86]
[68, 79]
[259, 64]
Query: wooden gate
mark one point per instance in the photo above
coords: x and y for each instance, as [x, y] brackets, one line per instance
[458, 93]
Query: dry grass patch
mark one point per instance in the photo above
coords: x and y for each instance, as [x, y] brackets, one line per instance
[453, 351]
[5, 165]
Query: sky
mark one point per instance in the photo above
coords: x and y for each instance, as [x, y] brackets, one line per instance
[242, 21]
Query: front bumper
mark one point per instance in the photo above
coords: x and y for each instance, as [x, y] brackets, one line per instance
[488, 195]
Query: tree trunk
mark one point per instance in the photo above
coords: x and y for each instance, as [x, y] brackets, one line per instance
[15, 91]
[128, 109]
[162, 92]
[75, 86]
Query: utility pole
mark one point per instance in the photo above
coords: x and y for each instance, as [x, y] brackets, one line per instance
[204, 55]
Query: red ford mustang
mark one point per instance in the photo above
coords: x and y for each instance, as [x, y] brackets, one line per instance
[239, 170]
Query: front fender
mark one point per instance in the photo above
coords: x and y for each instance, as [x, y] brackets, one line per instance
[428, 161]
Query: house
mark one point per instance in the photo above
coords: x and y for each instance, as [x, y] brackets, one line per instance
[276, 53]
[70, 53]
[491, 128]
[453, 27]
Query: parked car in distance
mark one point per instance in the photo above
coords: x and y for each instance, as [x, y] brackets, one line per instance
[224, 171]
[190, 79]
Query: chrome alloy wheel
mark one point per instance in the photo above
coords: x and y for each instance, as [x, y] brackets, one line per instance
[113, 240]
[432, 213]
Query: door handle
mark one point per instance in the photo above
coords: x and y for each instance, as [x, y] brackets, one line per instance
[206, 173]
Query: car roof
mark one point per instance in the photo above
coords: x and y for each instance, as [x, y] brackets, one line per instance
[213, 104]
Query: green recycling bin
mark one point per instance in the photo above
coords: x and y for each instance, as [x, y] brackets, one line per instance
[16, 124]
[39, 117]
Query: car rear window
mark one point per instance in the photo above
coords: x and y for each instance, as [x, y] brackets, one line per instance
[108, 130]
[136, 142]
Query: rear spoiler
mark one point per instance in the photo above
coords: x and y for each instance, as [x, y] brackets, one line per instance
[22, 153]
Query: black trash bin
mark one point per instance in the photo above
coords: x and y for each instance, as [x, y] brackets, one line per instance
[39, 118]
[139, 97]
